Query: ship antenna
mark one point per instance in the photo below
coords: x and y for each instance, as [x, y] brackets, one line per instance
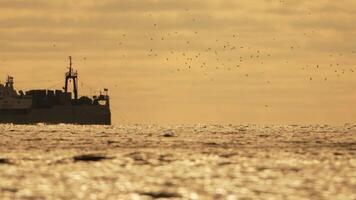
[70, 64]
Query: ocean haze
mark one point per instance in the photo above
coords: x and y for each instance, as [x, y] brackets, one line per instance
[210, 61]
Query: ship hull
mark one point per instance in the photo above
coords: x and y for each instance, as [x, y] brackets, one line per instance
[96, 115]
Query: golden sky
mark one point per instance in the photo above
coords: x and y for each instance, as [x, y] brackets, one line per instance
[190, 61]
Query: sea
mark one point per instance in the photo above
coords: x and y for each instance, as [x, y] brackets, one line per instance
[199, 161]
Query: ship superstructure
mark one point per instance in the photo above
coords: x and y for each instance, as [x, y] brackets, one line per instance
[53, 106]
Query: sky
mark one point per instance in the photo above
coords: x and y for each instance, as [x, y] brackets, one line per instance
[191, 61]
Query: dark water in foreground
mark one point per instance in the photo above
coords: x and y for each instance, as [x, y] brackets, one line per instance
[178, 162]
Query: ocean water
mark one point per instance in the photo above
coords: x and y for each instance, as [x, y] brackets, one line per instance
[178, 162]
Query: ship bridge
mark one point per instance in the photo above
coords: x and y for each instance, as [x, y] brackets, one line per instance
[10, 99]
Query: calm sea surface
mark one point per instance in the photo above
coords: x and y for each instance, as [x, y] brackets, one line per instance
[178, 162]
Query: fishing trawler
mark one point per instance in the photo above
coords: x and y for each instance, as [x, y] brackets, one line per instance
[53, 106]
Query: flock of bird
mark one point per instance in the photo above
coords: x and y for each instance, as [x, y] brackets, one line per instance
[217, 58]
[183, 51]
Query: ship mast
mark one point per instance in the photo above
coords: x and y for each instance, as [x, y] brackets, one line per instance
[71, 75]
[10, 82]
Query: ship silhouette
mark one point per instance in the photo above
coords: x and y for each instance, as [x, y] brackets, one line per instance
[53, 106]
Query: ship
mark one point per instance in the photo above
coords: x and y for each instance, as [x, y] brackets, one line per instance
[58, 106]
